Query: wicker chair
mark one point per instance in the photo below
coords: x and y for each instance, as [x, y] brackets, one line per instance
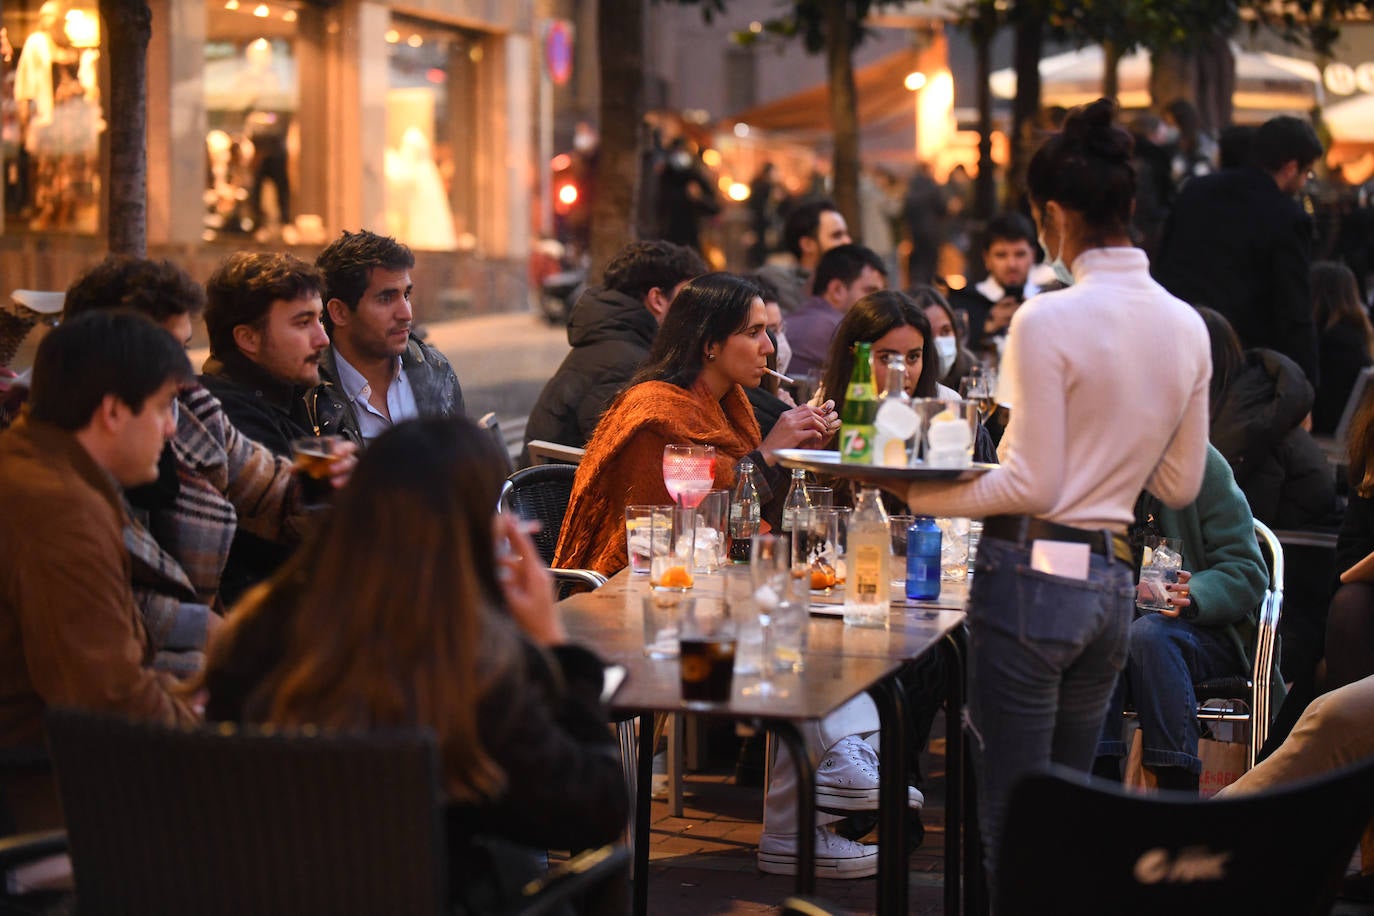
[219, 820]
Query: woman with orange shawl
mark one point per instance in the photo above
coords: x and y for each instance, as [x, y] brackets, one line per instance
[691, 390]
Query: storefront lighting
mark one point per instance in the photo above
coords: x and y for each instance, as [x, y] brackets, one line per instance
[711, 157]
[262, 11]
[914, 81]
[436, 76]
[415, 40]
[724, 183]
[567, 195]
[739, 191]
[231, 5]
[288, 16]
[392, 36]
[82, 29]
[475, 54]
[741, 129]
[756, 27]
[956, 281]
[560, 162]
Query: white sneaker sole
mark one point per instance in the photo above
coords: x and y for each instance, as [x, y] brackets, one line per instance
[865, 866]
[831, 799]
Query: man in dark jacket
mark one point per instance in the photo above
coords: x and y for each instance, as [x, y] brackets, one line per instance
[1239, 242]
[263, 314]
[610, 330]
[383, 373]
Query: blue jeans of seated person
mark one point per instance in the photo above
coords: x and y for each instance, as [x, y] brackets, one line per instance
[1168, 655]
[1044, 655]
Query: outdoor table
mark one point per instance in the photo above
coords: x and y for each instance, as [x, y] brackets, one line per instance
[841, 662]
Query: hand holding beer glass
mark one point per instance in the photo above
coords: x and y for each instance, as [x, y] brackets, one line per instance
[323, 464]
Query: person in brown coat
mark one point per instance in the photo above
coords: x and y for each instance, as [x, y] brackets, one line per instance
[102, 405]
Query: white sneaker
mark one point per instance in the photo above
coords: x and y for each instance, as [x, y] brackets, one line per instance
[847, 779]
[836, 857]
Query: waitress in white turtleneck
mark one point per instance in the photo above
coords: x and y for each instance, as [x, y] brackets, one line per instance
[1107, 381]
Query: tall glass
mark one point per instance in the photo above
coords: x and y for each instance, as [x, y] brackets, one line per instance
[980, 386]
[688, 469]
[770, 574]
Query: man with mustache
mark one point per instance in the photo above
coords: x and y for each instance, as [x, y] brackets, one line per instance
[263, 314]
[385, 374]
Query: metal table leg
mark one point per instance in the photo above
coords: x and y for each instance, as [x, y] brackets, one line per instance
[953, 648]
[892, 797]
[788, 733]
[642, 800]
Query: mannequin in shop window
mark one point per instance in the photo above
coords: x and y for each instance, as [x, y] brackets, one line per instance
[418, 209]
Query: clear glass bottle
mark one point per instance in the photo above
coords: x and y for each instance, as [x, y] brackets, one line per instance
[745, 512]
[893, 413]
[795, 506]
[868, 587]
[923, 559]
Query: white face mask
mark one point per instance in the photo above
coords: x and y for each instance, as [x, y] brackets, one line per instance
[1061, 270]
[784, 352]
[946, 349]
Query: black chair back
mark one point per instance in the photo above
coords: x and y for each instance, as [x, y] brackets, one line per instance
[1071, 848]
[220, 821]
[541, 493]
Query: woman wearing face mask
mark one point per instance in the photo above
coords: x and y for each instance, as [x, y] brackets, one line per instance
[1054, 590]
[770, 400]
[953, 358]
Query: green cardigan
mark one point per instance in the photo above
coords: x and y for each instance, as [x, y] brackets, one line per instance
[1220, 549]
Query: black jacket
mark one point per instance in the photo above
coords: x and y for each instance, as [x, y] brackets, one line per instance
[1258, 427]
[1343, 355]
[610, 334]
[273, 412]
[543, 724]
[269, 410]
[1238, 244]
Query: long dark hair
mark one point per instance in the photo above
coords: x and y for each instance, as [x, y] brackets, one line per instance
[867, 320]
[706, 311]
[1087, 167]
[390, 615]
[1227, 355]
[1336, 300]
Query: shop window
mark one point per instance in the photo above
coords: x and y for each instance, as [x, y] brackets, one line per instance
[430, 127]
[51, 116]
[252, 95]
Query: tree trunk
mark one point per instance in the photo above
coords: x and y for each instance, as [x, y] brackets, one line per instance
[985, 190]
[1111, 60]
[1215, 71]
[1025, 109]
[844, 118]
[1171, 77]
[128, 27]
[620, 39]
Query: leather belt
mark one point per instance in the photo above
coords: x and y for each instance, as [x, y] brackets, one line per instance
[1023, 529]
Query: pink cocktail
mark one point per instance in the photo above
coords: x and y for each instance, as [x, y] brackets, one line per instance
[688, 472]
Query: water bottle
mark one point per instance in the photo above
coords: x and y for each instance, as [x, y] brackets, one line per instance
[923, 559]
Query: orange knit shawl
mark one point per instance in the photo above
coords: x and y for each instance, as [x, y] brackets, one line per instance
[624, 463]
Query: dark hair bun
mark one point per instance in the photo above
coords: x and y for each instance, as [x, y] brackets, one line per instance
[1093, 130]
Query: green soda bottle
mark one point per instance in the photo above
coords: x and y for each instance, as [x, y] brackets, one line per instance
[860, 408]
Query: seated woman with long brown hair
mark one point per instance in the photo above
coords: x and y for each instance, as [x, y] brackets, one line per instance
[711, 347]
[404, 611]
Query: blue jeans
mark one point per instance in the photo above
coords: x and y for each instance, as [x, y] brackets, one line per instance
[1044, 655]
[1167, 657]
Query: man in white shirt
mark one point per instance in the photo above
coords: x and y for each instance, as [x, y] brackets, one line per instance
[386, 375]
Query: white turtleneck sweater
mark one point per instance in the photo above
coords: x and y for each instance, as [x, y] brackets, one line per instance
[1107, 384]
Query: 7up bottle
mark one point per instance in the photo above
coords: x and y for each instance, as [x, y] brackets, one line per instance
[860, 407]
